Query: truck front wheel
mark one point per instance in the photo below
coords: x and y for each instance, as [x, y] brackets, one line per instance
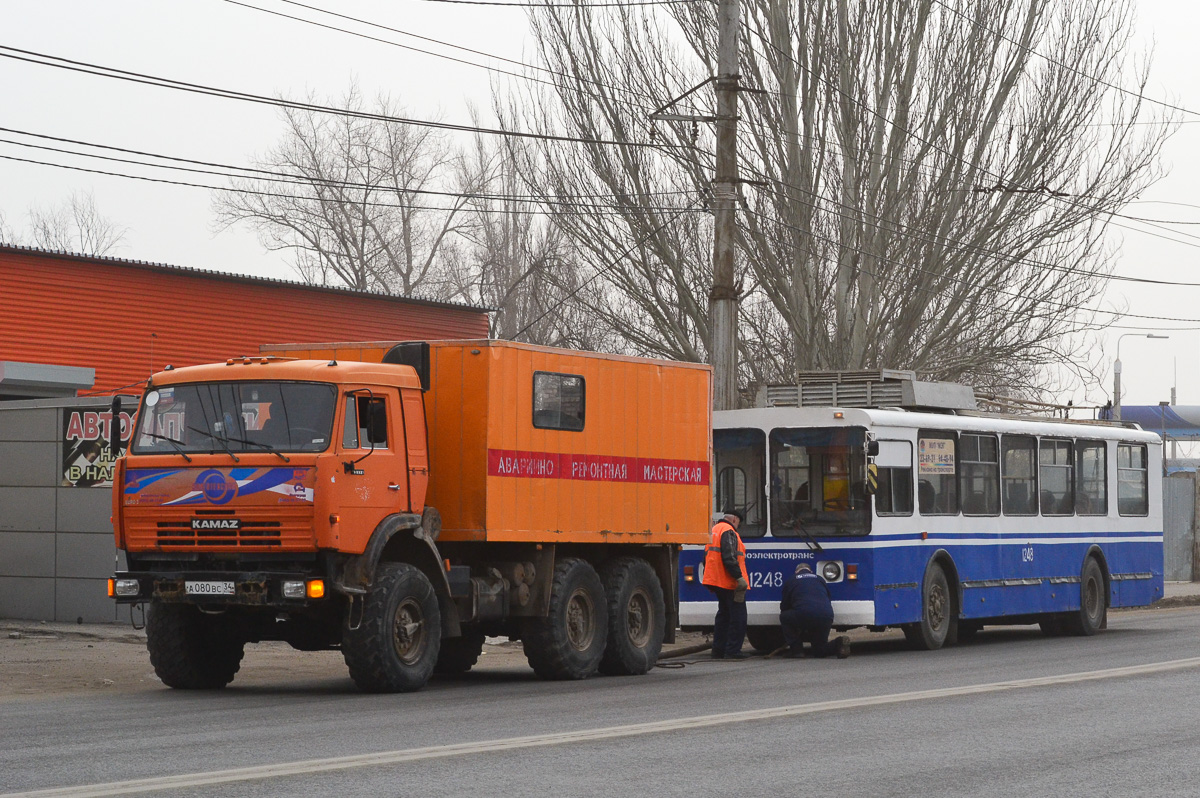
[190, 650]
[636, 617]
[395, 645]
[569, 642]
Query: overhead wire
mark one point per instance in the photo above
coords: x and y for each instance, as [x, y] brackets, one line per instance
[234, 171]
[564, 5]
[409, 206]
[1060, 64]
[607, 267]
[950, 278]
[97, 70]
[390, 43]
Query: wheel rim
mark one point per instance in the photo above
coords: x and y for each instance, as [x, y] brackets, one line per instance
[581, 624]
[640, 621]
[937, 605]
[408, 632]
[1091, 598]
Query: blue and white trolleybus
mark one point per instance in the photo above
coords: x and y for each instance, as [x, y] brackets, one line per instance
[937, 522]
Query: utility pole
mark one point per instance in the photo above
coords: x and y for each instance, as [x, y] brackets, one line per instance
[723, 300]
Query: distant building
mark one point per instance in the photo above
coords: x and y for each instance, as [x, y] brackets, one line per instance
[63, 315]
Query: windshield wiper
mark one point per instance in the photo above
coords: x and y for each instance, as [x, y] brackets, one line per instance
[262, 445]
[813, 544]
[177, 444]
[224, 442]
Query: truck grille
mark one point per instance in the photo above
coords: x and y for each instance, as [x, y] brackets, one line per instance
[283, 529]
[252, 533]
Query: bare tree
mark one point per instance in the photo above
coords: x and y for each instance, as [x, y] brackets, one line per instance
[74, 225]
[7, 234]
[359, 204]
[927, 191]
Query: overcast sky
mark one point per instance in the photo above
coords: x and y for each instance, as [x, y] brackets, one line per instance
[224, 44]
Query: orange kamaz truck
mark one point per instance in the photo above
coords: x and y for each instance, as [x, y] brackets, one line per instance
[401, 501]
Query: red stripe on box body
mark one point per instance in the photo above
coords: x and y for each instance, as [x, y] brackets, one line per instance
[595, 467]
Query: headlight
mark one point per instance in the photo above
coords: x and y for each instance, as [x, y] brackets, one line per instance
[293, 589]
[126, 587]
[831, 571]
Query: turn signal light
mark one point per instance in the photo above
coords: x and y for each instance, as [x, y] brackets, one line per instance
[689, 573]
[316, 588]
[112, 588]
[851, 571]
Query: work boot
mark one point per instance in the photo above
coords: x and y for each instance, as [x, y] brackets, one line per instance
[794, 653]
[738, 655]
[843, 647]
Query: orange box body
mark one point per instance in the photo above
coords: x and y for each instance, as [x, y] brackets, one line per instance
[637, 472]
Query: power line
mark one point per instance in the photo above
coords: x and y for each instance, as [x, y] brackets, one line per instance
[151, 80]
[233, 171]
[431, 52]
[609, 266]
[375, 204]
[907, 231]
[953, 279]
[564, 5]
[1061, 65]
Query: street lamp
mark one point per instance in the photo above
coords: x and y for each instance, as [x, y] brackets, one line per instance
[1117, 371]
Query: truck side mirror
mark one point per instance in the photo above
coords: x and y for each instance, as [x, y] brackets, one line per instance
[872, 448]
[114, 429]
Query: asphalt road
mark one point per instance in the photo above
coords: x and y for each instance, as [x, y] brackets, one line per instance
[1012, 713]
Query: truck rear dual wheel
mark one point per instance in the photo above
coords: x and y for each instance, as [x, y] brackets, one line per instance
[569, 642]
[459, 654]
[395, 645]
[637, 617]
[191, 650]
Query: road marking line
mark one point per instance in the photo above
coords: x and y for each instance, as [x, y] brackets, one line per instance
[191, 780]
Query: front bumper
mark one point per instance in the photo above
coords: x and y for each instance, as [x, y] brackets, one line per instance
[216, 588]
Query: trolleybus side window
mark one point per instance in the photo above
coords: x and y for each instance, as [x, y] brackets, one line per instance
[818, 478]
[740, 455]
[1056, 475]
[937, 480]
[979, 474]
[895, 493]
[1018, 474]
[1091, 478]
[1133, 494]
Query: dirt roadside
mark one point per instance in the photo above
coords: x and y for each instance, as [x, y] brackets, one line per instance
[44, 659]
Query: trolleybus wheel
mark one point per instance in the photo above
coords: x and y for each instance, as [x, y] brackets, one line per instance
[1093, 603]
[395, 645]
[569, 642]
[938, 618]
[967, 630]
[637, 617]
[190, 650]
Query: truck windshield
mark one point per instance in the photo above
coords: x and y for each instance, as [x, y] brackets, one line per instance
[236, 417]
[817, 482]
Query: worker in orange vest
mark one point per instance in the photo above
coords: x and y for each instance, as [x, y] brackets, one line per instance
[725, 575]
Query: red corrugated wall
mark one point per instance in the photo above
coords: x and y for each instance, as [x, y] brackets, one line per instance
[102, 314]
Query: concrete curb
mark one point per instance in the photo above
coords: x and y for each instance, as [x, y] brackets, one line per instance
[1168, 602]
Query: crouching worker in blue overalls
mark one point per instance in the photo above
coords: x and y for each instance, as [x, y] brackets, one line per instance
[806, 615]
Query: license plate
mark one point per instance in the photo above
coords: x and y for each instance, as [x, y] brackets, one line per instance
[208, 588]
